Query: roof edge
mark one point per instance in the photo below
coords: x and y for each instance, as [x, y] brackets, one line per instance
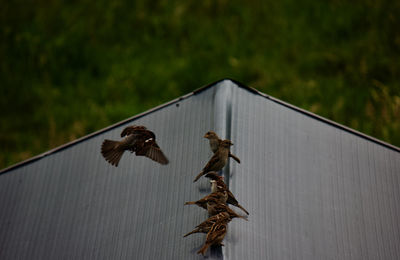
[195, 92]
[319, 118]
[100, 131]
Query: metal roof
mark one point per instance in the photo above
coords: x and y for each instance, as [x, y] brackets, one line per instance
[314, 189]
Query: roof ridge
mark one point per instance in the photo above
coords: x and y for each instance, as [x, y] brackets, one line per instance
[196, 92]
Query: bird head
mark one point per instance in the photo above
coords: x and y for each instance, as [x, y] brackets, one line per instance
[214, 175]
[211, 135]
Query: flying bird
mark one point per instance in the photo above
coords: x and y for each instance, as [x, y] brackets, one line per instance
[206, 225]
[217, 184]
[215, 142]
[138, 140]
[214, 236]
[218, 160]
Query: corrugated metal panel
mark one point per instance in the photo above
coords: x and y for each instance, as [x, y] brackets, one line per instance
[314, 191]
[72, 204]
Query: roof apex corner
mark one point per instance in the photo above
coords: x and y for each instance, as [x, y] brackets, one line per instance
[232, 82]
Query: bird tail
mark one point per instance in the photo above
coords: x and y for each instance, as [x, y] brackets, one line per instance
[192, 232]
[240, 207]
[239, 216]
[198, 176]
[234, 157]
[111, 151]
[203, 249]
[190, 203]
[245, 218]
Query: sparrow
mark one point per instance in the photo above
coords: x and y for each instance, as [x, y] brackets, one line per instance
[217, 184]
[218, 160]
[215, 141]
[214, 207]
[206, 225]
[138, 140]
[214, 236]
[217, 197]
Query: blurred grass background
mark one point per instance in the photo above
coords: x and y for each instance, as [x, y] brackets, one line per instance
[68, 69]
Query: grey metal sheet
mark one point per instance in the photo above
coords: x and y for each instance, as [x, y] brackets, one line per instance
[72, 204]
[314, 190]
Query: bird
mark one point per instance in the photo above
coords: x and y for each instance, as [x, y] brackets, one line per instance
[214, 236]
[218, 197]
[217, 184]
[218, 160]
[138, 140]
[215, 141]
[214, 207]
[206, 225]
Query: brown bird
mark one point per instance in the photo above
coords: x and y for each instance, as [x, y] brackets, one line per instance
[206, 225]
[214, 207]
[218, 197]
[138, 140]
[214, 236]
[215, 142]
[218, 160]
[217, 184]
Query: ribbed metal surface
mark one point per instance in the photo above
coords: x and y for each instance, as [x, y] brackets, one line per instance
[72, 204]
[313, 190]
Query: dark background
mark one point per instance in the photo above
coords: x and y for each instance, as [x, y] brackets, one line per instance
[68, 69]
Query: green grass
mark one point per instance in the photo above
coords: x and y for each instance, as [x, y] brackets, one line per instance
[69, 69]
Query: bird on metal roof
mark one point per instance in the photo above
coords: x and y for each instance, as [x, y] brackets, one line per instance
[218, 196]
[214, 207]
[218, 160]
[217, 184]
[215, 142]
[138, 140]
[214, 236]
[206, 225]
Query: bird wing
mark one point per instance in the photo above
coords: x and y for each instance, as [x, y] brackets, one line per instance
[134, 129]
[154, 152]
[216, 233]
[211, 163]
[231, 198]
[217, 196]
[211, 220]
[150, 149]
[206, 224]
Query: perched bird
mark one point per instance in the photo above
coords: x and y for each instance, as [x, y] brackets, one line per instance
[217, 184]
[217, 197]
[216, 180]
[218, 160]
[206, 225]
[214, 207]
[215, 141]
[138, 140]
[214, 236]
